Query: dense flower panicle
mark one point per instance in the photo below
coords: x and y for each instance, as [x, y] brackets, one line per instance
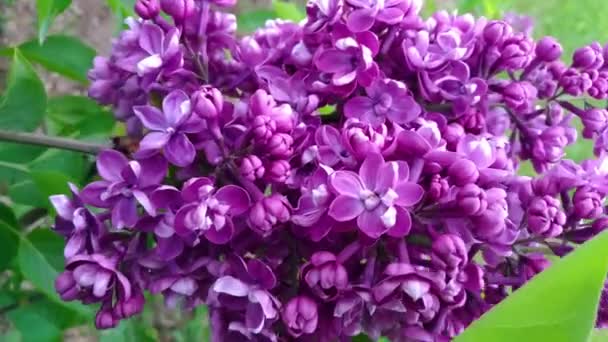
[355, 173]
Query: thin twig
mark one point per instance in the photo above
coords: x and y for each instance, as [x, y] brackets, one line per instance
[54, 142]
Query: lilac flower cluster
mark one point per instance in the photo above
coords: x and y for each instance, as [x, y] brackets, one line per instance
[355, 173]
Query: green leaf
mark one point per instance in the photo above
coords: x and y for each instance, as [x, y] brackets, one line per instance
[50, 244]
[251, 20]
[128, 330]
[47, 11]
[33, 325]
[26, 192]
[23, 105]
[65, 55]
[78, 116]
[288, 10]
[73, 165]
[9, 243]
[51, 183]
[559, 304]
[599, 335]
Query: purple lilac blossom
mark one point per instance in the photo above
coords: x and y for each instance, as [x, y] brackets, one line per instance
[354, 173]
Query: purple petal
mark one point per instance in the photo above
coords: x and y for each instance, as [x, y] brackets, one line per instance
[403, 225]
[361, 20]
[166, 197]
[102, 281]
[358, 107]
[91, 194]
[262, 274]
[63, 206]
[254, 317]
[151, 38]
[221, 236]
[177, 108]
[124, 213]
[333, 61]
[153, 142]
[151, 117]
[185, 286]
[110, 164]
[345, 208]
[387, 177]
[179, 151]
[74, 245]
[346, 183]
[391, 15]
[236, 197]
[409, 194]
[231, 286]
[153, 170]
[191, 189]
[183, 221]
[371, 224]
[145, 202]
[369, 170]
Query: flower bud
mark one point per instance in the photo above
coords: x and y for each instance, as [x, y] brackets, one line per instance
[515, 52]
[129, 307]
[519, 96]
[147, 9]
[545, 216]
[595, 120]
[452, 134]
[463, 172]
[471, 200]
[252, 168]
[278, 171]
[575, 83]
[269, 212]
[65, 285]
[588, 57]
[548, 49]
[263, 127]
[438, 188]
[496, 31]
[179, 10]
[300, 316]
[325, 275]
[207, 103]
[449, 253]
[587, 203]
[280, 145]
[105, 319]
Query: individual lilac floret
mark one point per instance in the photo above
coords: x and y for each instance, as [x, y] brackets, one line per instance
[325, 275]
[157, 53]
[352, 60]
[209, 212]
[124, 184]
[378, 197]
[300, 315]
[249, 288]
[545, 216]
[168, 128]
[385, 100]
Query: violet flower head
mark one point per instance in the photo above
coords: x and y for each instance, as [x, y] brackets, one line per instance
[168, 128]
[378, 197]
[385, 100]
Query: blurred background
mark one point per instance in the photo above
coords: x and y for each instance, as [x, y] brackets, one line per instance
[27, 317]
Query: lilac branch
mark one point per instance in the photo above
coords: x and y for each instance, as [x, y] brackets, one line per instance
[53, 142]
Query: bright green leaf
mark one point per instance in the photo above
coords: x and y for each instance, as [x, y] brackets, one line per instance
[73, 165]
[47, 11]
[559, 304]
[25, 192]
[288, 10]
[65, 55]
[23, 105]
[599, 335]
